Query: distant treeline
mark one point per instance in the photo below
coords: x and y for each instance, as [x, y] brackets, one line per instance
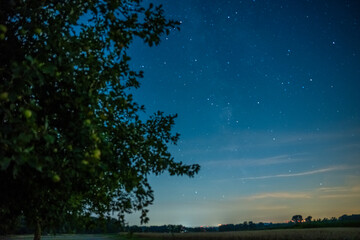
[343, 221]
[95, 225]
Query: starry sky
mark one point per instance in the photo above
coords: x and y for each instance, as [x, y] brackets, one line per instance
[267, 97]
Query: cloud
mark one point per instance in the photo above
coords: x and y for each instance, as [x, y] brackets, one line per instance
[339, 192]
[341, 196]
[323, 170]
[333, 189]
[281, 195]
[324, 192]
[253, 161]
[272, 208]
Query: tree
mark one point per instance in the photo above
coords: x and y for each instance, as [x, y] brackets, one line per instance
[174, 228]
[252, 225]
[72, 142]
[308, 219]
[245, 225]
[297, 218]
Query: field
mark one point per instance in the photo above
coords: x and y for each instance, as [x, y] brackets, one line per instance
[279, 234]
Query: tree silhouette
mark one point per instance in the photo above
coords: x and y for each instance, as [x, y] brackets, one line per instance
[297, 219]
[72, 142]
[308, 219]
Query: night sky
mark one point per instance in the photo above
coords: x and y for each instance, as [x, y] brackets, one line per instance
[267, 97]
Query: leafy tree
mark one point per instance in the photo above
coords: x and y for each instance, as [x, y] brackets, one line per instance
[252, 225]
[325, 219]
[297, 218]
[174, 228]
[245, 224]
[308, 219]
[72, 142]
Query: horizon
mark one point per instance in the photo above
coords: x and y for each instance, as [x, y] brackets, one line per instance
[267, 97]
[314, 219]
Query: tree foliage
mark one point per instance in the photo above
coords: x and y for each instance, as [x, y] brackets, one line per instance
[297, 219]
[71, 139]
[308, 219]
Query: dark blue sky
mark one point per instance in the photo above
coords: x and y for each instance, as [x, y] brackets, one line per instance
[267, 94]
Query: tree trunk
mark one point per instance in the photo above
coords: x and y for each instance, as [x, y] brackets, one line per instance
[37, 234]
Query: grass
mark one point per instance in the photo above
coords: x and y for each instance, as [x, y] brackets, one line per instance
[278, 234]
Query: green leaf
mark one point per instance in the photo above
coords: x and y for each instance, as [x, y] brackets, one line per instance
[49, 139]
[5, 163]
[49, 69]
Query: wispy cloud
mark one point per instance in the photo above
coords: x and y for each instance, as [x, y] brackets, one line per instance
[281, 195]
[333, 189]
[339, 192]
[341, 196]
[324, 192]
[312, 172]
[281, 159]
[271, 208]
